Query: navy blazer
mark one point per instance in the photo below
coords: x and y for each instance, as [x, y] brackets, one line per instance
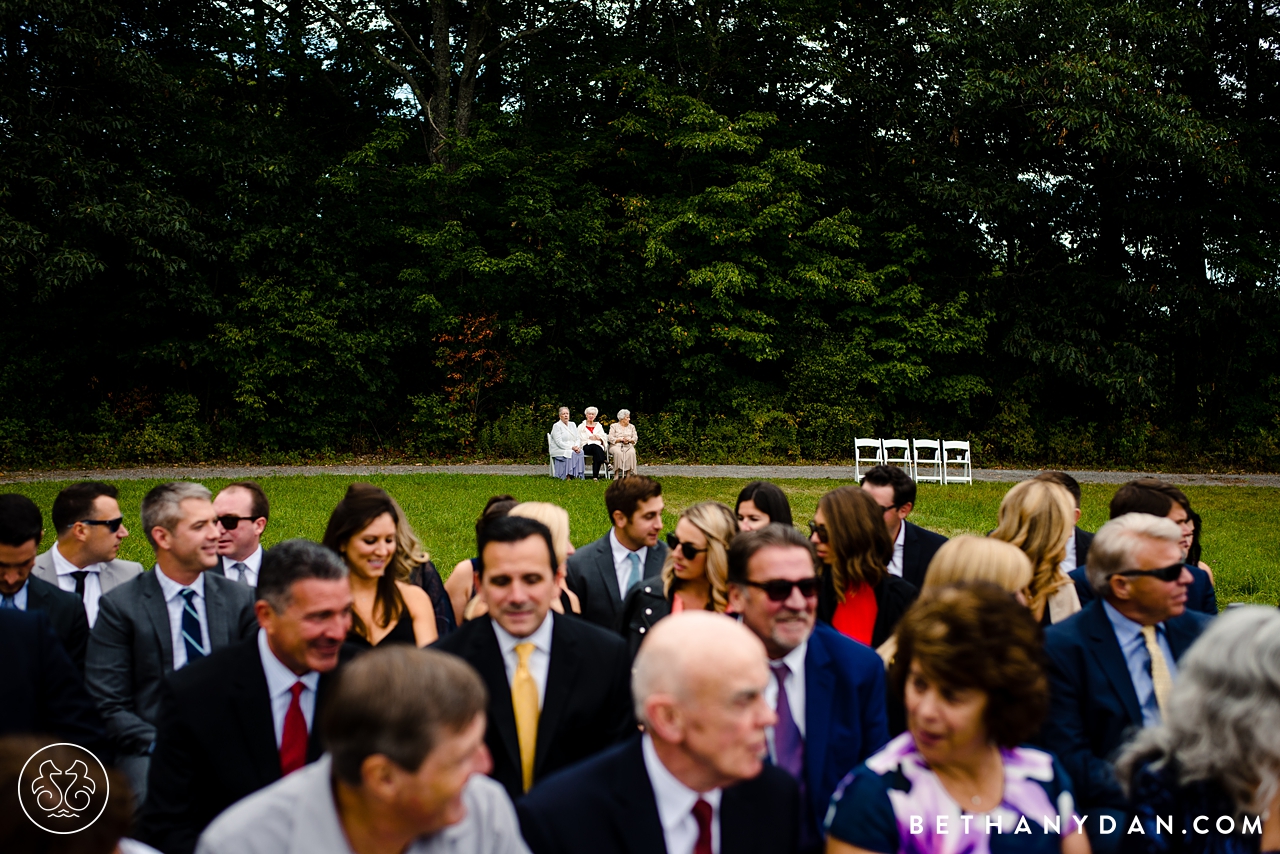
[592, 577]
[43, 690]
[1084, 539]
[66, 613]
[1200, 593]
[918, 548]
[1093, 707]
[605, 805]
[844, 713]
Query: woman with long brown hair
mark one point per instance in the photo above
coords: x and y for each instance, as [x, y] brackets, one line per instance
[365, 530]
[857, 596]
[1039, 517]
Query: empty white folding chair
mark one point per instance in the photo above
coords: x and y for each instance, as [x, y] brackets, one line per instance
[551, 461]
[898, 452]
[875, 458]
[956, 454]
[927, 465]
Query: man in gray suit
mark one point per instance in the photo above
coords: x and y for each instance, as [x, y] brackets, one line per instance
[602, 572]
[159, 621]
[89, 527]
[242, 510]
[405, 770]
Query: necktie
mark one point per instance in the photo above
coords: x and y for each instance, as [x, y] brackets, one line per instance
[788, 749]
[702, 815]
[79, 577]
[524, 701]
[293, 740]
[243, 570]
[7, 602]
[1161, 681]
[634, 578]
[192, 636]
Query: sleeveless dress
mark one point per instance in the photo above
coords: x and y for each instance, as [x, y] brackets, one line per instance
[401, 632]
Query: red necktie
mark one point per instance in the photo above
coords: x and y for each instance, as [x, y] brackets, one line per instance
[293, 742]
[702, 814]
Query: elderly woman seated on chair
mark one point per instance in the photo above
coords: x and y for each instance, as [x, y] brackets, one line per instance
[622, 440]
[566, 451]
[591, 437]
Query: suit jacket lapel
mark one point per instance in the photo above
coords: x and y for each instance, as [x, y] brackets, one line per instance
[252, 703]
[486, 657]
[44, 569]
[1181, 632]
[561, 674]
[634, 791]
[216, 611]
[218, 569]
[819, 681]
[154, 606]
[910, 554]
[1106, 650]
[608, 575]
[653, 561]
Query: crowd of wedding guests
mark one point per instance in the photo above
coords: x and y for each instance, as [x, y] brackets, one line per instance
[735, 686]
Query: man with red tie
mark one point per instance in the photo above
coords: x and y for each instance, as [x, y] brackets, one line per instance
[696, 781]
[242, 718]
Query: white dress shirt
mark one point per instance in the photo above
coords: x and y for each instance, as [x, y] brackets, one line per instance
[173, 602]
[1069, 562]
[795, 691]
[895, 565]
[20, 598]
[92, 582]
[622, 563]
[675, 805]
[280, 682]
[253, 562]
[539, 659]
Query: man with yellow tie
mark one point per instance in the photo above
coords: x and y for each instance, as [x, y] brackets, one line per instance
[1112, 665]
[559, 687]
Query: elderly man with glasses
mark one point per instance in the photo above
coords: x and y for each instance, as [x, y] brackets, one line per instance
[1112, 665]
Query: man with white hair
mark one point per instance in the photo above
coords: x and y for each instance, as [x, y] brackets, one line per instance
[695, 782]
[1112, 665]
[160, 621]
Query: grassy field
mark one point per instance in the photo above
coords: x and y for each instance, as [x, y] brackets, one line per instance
[1241, 524]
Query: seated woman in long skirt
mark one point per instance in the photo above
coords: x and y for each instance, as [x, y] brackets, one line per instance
[566, 452]
[622, 443]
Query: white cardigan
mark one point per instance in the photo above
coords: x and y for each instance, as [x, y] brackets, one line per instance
[600, 437]
[564, 437]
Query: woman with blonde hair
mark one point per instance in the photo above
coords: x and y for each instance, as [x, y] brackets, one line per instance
[857, 596]
[694, 576]
[1039, 518]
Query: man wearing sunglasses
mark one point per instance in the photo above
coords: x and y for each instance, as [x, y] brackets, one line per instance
[90, 528]
[242, 510]
[1112, 665]
[828, 691]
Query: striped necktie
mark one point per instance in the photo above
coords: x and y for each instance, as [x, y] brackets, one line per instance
[192, 633]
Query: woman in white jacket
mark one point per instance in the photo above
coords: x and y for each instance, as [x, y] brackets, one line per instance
[593, 440]
[566, 451]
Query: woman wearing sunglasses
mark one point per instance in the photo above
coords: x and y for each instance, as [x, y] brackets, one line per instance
[693, 577]
[858, 596]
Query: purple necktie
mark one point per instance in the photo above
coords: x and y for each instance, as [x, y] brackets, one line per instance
[788, 751]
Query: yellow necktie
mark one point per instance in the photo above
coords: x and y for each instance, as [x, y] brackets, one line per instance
[524, 700]
[1160, 678]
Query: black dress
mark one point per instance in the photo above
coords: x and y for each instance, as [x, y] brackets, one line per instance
[401, 632]
[426, 576]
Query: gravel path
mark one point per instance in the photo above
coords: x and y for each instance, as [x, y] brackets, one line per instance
[737, 472]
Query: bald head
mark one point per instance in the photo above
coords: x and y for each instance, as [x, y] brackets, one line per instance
[698, 684]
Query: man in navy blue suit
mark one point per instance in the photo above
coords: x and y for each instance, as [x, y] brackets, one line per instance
[1154, 496]
[827, 690]
[696, 780]
[1112, 664]
[913, 546]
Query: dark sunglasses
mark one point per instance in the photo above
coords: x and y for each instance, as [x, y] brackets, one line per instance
[112, 525]
[779, 589]
[1169, 573]
[690, 551]
[229, 522]
[820, 530]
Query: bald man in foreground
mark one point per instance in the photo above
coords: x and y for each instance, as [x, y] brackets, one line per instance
[695, 782]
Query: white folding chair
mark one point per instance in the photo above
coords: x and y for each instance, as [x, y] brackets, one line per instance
[903, 458]
[551, 461]
[928, 466]
[877, 455]
[962, 459]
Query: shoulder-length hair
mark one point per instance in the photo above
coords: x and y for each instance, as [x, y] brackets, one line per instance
[969, 558]
[720, 525]
[1223, 719]
[768, 499]
[362, 504]
[857, 538]
[1039, 517]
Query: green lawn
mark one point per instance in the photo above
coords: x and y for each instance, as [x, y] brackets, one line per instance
[1240, 523]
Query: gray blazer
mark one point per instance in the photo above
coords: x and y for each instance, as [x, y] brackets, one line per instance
[592, 577]
[113, 574]
[131, 650]
[297, 814]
